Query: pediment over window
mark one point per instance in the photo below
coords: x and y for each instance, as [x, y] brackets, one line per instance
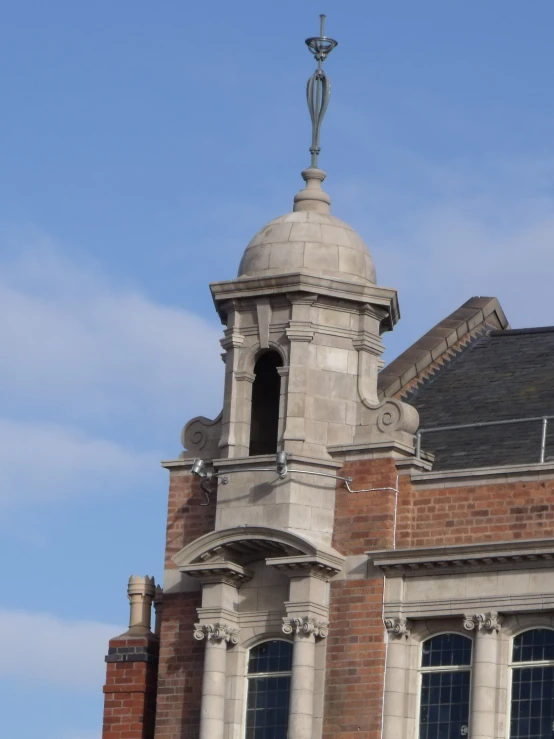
[232, 549]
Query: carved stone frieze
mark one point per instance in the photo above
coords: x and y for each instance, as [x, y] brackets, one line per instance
[216, 632]
[305, 626]
[398, 627]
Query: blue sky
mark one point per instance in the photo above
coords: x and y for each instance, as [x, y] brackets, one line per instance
[141, 146]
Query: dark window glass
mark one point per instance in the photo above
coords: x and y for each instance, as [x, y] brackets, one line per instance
[267, 707]
[266, 393]
[446, 650]
[533, 646]
[444, 704]
[532, 714]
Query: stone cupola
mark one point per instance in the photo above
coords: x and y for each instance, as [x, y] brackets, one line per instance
[302, 342]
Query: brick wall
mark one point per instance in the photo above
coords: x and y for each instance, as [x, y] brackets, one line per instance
[469, 515]
[425, 518]
[130, 690]
[356, 645]
[181, 656]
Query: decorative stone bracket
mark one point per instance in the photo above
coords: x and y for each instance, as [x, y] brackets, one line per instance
[201, 436]
[305, 626]
[390, 418]
[479, 621]
[398, 627]
[217, 632]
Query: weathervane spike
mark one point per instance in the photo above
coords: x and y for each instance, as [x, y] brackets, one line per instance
[318, 90]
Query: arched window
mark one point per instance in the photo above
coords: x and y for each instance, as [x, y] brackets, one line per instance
[532, 715]
[445, 674]
[267, 708]
[266, 392]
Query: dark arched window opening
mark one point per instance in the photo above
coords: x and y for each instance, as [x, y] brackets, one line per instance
[445, 677]
[266, 391]
[267, 708]
[532, 714]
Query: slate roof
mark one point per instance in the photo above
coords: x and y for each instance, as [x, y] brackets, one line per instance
[499, 375]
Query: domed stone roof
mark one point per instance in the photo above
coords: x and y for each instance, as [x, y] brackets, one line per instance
[310, 240]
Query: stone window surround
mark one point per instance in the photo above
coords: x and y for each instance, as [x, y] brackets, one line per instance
[229, 634]
[407, 725]
[468, 612]
[249, 676]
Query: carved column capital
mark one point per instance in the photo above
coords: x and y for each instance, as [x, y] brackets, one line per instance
[305, 626]
[398, 627]
[216, 632]
[483, 622]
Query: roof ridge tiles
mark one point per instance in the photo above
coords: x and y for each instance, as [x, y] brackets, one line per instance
[521, 331]
[436, 349]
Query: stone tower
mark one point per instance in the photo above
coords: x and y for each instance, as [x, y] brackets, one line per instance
[302, 345]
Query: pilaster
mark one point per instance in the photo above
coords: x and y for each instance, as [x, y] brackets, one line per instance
[484, 677]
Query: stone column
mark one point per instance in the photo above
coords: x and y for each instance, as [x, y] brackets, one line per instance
[212, 707]
[483, 674]
[394, 705]
[301, 705]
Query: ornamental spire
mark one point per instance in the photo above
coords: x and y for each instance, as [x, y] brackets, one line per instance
[318, 89]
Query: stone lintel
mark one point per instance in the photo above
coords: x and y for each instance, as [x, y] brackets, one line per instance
[492, 556]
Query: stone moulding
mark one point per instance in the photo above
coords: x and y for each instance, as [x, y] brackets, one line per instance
[471, 558]
[303, 281]
[322, 567]
[251, 541]
[227, 572]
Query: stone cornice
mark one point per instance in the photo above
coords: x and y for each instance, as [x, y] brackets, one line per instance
[468, 558]
[484, 475]
[322, 567]
[245, 287]
[227, 572]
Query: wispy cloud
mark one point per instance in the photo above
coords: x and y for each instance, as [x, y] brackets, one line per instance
[62, 652]
[77, 347]
[42, 462]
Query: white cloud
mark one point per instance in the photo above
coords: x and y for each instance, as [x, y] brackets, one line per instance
[78, 346]
[41, 648]
[44, 462]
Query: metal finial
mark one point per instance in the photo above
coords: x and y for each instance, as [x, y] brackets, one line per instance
[318, 90]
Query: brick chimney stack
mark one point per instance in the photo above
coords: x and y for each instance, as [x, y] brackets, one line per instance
[132, 668]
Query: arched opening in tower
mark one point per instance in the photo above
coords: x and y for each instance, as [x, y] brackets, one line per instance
[266, 391]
